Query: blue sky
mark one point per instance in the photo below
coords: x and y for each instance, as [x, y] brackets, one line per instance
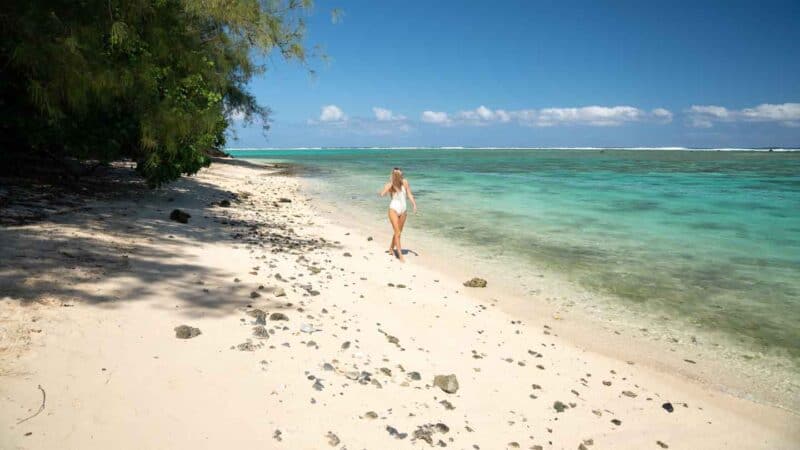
[527, 73]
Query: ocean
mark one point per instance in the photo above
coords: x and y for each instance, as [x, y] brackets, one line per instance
[708, 241]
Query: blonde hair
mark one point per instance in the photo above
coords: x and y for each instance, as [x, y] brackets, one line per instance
[396, 179]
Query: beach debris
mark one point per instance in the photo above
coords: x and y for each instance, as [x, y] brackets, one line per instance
[179, 216]
[308, 328]
[475, 283]
[38, 411]
[260, 332]
[447, 383]
[559, 406]
[426, 432]
[668, 407]
[393, 432]
[277, 435]
[278, 316]
[259, 315]
[186, 332]
[246, 346]
[333, 440]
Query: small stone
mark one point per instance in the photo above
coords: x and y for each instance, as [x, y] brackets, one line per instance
[371, 415]
[254, 294]
[259, 315]
[369, 238]
[284, 200]
[616, 422]
[279, 292]
[345, 345]
[186, 332]
[447, 383]
[559, 406]
[347, 254]
[629, 394]
[260, 332]
[246, 347]
[179, 216]
[661, 444]
[447, 405]
[476, 283]
[414, 376]
[278, 316]
[225, 203]
[333, 440]
[668, 407]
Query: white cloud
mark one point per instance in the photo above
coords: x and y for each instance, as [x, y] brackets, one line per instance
[333, 120]
[482, 116]
[435, 117]
[386, 115]
[548, 117]
[704, 116]
[662, 115]
[332, 113]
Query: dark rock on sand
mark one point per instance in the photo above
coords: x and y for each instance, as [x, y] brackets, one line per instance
[333, 440]
[661, 444]
[371, 415]
[559, 406]
[475, 282]
[414, 376]
[179, 216]
[225, 203]
[447, 383]
[393, 432]
[186, 332]
[246, 347]
[278, 316]
[668, 407]
[260, 332]
[284, 200]
[254, 294]
[259, 315]
[426, 432]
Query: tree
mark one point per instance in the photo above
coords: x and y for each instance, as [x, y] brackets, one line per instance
[156, 81]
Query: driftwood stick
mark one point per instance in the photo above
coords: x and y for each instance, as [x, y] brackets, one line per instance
[41, 408]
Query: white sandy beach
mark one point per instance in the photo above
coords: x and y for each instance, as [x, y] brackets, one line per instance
[89, 300]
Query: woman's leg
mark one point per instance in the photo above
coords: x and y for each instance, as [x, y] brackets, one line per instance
[402, 220]
[395, 221]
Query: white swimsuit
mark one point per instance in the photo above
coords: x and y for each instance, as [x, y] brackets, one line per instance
[398, 202]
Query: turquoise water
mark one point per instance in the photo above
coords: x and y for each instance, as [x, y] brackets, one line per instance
[712, 238]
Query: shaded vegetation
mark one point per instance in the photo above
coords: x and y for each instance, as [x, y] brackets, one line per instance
[85, 82]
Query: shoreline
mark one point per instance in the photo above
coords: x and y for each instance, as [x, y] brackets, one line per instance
[613, 332]
[364, 338]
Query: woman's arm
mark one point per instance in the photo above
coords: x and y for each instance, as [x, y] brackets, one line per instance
[386, 188]
[410, 195]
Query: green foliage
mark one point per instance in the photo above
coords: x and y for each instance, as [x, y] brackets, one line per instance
[156, 81]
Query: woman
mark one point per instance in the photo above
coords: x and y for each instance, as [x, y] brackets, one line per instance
[399, 188]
